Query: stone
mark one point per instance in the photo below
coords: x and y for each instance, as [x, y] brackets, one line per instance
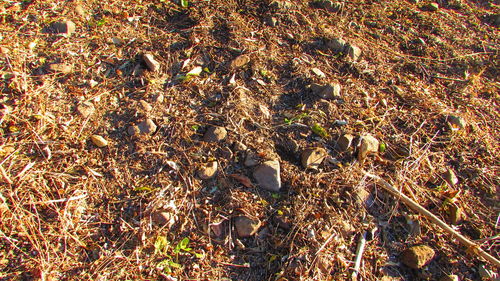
[133, 130]
[353, 52]
[64, 27]
[162, 218]
[450, 177]
[61, 67]
[239, 62]
[344, 142]
[450, 277]
[455, 214]
[337, 45]
[456, 122]
[99, 141]
[79, 10]
[318, 72]
[208, 170]
[145, 105]
[4, 50]
[368, 145]
[147, 127]
[159, 98]
[328, 91]
[239, 146]
[246, 227]
[85, 109]
[215, 134]
[251, 159]
[150, 61]
[417, 257]
[271, 21]
[311, 158]
[267, 175]
[330, 5]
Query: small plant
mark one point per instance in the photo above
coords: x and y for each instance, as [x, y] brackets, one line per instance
[295, 119]
[184, 3]
[162, 247]
[319, 130]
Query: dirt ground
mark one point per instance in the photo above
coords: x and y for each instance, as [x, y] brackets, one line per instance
[110, 168]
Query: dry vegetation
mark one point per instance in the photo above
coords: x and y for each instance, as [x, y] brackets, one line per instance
[70, 210]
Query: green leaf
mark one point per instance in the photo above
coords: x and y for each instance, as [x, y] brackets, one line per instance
[184, 242]
[184, 3]
[161, 244]
[275, 195]
[382, 147]
[174, 264]
[101, 22]
[320, 131]
[143, 188]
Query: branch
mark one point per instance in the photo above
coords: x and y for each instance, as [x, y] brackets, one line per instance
[421, 210]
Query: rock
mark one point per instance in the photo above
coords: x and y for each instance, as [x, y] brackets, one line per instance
[208, 170]
[271, 21]
[65, 27]
[133, 130]
[159, 98]
[145, 105]
[455, 214]
[328, 91]
[450, 177]
[147, 127]
[337, 45]
[215, 134]
[99, 141]
[152, 64]
[368, 145]
[4, 50]
[318, 72]
[163, 218]
[85, 109]
[456, 122]
[417, 256]
[450, 277]
[79, 10]
[268, 175]
[61, 67]
[251, 159]
[245, 226]
[353, 52]
[239, 62]
[344, 142]
[239, 146]
[311, 158]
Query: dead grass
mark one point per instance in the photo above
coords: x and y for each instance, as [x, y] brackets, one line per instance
[70, 210]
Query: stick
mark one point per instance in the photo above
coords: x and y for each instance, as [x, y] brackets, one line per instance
[359, 256]
[421, 210]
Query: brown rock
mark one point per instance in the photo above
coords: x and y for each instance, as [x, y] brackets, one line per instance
[133, 130]
[328, 91]
[353, 52]
[85, 109]
[99, 141]
[147, 127]
[64, 27]
[417, 256]
[337, 45]
[239, 62]
[162, 218]
[152, 64]
[344, 142]
[215, 134]
[245, 226]
[208, 170]
[268, 175]
[61, 67]
[311, 158]
[368, 145]
[456, 122]
[145, 105]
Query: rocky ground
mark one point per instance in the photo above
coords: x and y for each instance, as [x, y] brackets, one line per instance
[231, 140]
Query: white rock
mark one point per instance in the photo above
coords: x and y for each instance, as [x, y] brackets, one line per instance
[353, 52]
[85, 109]
[152, 64]
[313, 157]
[208, 170]
[98, 141]
[368, 145]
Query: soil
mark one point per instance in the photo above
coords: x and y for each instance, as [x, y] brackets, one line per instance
[105, 106]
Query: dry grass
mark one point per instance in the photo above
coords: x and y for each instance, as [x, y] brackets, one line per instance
[70, 210]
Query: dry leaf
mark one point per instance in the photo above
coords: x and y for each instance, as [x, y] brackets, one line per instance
[244, 180]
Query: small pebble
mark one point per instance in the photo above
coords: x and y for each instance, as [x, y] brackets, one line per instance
[99, 141]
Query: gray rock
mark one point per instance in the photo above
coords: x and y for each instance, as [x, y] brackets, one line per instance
[268, 175]
[328, 91]
[145, 105]
[337, 45]
[208, 170]
[353, 52]
[64, 27]
[215, 134]
[313, 157]
[239, 62]
[133, 130]
[152, 64]
[417, 256]
[456, 122]
[85, 109]
[344, 142]
[251, 159]
[245, 226]
[450, 177]
[147, 127]
[368, 145]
